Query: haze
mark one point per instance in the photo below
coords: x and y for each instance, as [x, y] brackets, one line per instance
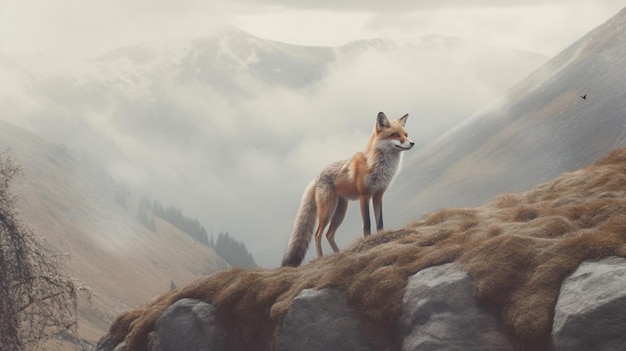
[239, 160]
[80, 28]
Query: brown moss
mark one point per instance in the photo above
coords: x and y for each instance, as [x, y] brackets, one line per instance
[506, 200]
[525, 214]
[449, 214]
[518, 249]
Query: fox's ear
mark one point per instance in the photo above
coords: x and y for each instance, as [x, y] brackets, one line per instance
[382, 122]
[402, 119]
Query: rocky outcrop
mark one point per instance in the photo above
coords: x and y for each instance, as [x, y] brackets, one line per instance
[439, 313]
[491, 277]
[591, 311]
[322, 320]
[190, 324]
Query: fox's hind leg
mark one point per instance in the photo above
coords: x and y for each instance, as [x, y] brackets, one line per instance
[326, 201]
[340, 214]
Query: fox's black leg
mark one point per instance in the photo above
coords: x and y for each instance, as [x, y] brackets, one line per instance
[365, 214]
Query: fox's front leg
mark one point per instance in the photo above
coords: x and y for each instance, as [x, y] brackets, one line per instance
[377, 202]
[364, 200]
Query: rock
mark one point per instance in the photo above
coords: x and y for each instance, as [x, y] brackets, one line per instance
[107, 344]
[322, 320]
[440, 312]
[190, 324]
[590, 313]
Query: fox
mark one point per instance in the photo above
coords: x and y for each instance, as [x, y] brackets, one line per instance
[363, 177]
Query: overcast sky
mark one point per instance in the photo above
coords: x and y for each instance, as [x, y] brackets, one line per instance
[431, 87]
[87, 28]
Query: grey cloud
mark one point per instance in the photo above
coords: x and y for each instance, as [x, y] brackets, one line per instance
[239, 163]
[395, 5]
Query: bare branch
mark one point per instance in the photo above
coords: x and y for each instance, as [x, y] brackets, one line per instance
[37, 298]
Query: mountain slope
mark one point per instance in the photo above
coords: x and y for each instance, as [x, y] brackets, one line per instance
[71, 204]
[539, 129]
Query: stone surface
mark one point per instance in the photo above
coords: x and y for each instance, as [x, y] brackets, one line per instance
[106, 344]
[322, 320]
[190, 325]
[440, 312]
[590, 313]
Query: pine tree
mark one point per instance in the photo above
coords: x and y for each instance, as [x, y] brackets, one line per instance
[233, 252]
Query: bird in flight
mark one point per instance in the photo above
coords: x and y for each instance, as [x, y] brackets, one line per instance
[584, 97]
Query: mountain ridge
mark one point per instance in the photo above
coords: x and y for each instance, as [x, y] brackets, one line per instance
[237, 50]
[540, 128]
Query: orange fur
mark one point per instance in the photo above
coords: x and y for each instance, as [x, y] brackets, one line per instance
[365, 177]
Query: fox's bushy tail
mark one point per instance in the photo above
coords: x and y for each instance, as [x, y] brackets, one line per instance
[302, 228]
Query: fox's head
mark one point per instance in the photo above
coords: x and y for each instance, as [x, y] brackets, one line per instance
[391, 135]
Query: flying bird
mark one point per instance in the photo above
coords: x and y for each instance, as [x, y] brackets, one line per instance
[584, 97]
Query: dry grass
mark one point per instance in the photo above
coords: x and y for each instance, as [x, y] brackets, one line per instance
[517, 248]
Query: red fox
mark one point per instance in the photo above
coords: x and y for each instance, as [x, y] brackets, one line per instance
[365, 176]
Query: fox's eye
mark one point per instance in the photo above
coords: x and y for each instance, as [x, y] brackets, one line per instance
[395, 135]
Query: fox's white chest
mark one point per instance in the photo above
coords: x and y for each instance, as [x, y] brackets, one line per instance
[383, 171]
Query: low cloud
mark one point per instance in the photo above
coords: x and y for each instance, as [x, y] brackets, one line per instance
[240, 163]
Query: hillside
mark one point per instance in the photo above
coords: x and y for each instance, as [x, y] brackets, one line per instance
[537, 130]
[71, 204]
[517, 250]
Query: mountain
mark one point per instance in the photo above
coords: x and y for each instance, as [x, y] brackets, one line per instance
[234, 63]
[537, 130]
[222, 125]
[74, 206]
[219, 60]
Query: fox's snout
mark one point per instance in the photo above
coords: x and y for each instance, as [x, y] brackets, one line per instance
[406, 146]
[403, 144]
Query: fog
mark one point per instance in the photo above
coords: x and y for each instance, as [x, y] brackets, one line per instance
[232, 148]
[238, 159]
[78, 28]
